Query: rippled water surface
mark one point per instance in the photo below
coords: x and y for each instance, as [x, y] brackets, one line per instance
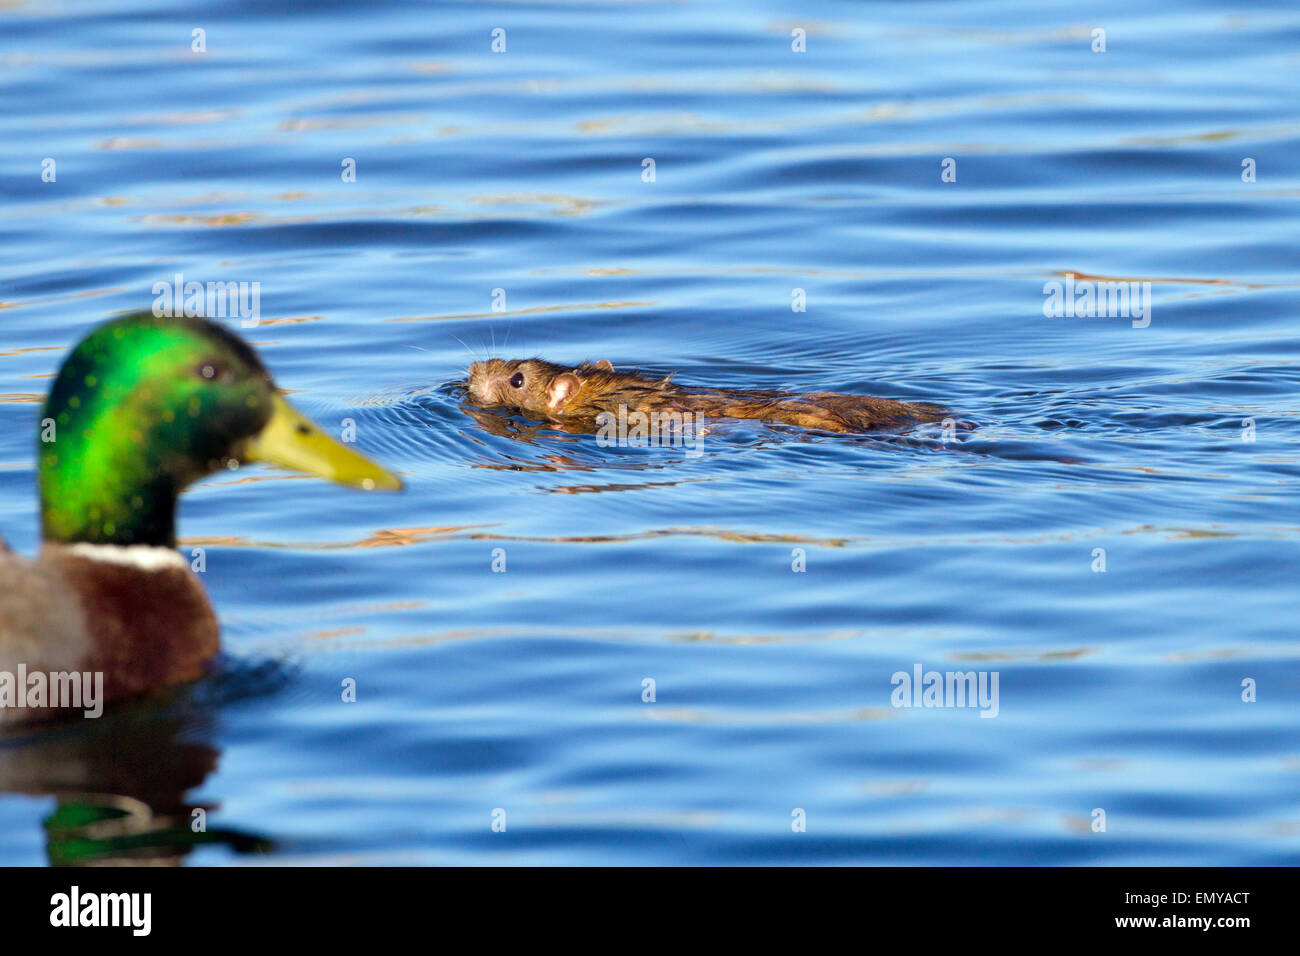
[484, 696]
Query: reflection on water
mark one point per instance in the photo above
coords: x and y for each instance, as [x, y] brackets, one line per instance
[121, 783]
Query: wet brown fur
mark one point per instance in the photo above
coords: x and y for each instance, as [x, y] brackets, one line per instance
[593, 388]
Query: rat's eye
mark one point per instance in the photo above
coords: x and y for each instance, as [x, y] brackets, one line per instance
[517, 380]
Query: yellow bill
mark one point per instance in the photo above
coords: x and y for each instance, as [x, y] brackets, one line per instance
[292, 440]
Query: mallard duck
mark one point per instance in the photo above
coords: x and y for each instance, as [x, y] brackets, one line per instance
[141, 408]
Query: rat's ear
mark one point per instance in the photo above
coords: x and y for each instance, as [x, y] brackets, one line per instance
[563, 388]
[606, 364]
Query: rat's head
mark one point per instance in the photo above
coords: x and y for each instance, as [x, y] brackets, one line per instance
[530, 385]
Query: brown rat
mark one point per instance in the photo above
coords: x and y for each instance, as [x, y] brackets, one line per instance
[577, 396]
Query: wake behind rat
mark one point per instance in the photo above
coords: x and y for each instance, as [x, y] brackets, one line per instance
[577, 397]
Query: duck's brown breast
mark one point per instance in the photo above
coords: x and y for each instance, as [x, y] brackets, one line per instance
[149, 621]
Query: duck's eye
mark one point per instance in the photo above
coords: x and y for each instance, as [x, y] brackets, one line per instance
[211, 371]
[517, 380]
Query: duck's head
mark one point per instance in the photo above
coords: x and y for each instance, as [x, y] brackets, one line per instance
[144, 406]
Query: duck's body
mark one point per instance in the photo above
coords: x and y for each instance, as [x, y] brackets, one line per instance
[136, 615]
[141, 408]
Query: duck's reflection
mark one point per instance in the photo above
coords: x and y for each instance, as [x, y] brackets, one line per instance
[121, 782]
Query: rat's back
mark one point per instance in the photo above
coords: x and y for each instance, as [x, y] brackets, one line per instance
[580, 394]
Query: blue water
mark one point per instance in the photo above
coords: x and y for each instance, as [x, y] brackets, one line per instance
[518, 696]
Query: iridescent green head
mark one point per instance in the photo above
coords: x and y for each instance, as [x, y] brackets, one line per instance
[145, 406]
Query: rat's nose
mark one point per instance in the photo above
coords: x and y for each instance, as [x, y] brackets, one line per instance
[478, 381]
[477, 376]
